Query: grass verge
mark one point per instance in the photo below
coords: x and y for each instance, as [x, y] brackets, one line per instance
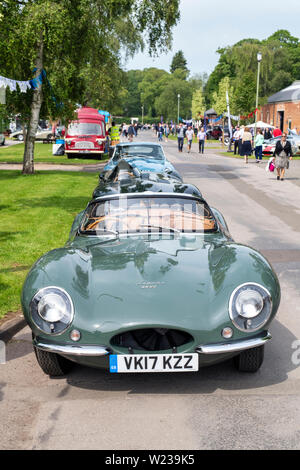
[43, 154]
[36, 216]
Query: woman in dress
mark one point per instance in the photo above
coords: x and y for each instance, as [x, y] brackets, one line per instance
[283, 153]
[246, 150]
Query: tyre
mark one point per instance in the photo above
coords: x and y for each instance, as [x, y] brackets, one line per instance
[49, 136]
[250, 360]
[69, 155]
[51, 363]
[20, 137]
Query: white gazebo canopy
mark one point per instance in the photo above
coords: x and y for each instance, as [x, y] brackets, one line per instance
[260, 124]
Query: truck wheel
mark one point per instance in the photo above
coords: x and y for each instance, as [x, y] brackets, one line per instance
[250, 360]
[51, 363]
[69, 155]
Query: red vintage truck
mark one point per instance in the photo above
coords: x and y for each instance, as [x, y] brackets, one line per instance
[86, 135]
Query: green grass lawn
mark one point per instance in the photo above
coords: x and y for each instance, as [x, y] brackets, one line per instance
[36, 216]
[43, 154]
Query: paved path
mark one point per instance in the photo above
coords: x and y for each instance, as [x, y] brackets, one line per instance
[216, 408]
[55, 167]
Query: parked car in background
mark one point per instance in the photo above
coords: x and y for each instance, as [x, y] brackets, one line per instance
[270, 144]
[2, 139]
[41, 134]
[150, 280]
[295, 137]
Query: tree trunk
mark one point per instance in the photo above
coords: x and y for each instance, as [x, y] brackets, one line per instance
[28, 158]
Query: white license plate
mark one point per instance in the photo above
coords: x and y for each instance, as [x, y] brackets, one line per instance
[153, 362]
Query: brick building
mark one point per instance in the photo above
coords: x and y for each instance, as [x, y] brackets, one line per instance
[283, 108]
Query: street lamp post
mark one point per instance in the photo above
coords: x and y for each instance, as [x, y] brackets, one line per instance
[178, 96]
[142, 114]
[259, 57]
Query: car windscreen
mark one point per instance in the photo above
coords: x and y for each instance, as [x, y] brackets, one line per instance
[148, 214]
[147, 151]
[85, 128]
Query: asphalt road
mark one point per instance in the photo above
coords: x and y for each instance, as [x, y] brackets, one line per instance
[217, 408]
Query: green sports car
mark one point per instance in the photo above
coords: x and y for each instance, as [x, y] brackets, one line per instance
[150, 280]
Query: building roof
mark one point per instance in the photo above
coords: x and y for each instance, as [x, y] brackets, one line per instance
[291, 93]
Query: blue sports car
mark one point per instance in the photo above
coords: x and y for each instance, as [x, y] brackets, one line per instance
[143, 156]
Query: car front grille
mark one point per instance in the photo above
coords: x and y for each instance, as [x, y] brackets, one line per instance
[152, 339]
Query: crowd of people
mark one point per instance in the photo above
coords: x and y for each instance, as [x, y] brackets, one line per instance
[183, 131]
[245, 141]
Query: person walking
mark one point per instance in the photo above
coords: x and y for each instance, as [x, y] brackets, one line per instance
[160, 133]
[246, 150]
[130, 132]
[189, 136]
[258, 144]
[283, 153]
[201, 136]
[180, 137]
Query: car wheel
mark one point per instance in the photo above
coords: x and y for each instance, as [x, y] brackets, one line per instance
[49, 136]
[250, 360]
[51, 363]
[20, 137]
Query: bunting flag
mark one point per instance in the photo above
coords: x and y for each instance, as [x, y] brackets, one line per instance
[249, 115]
[29, 84]
[12, 84]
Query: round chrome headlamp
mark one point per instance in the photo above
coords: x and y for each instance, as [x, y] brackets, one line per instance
[52, 310]
[250, 307]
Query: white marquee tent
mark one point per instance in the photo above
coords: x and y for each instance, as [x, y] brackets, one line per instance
[260, 124]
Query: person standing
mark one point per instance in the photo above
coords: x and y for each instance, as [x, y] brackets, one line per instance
[189, 136]
[180, 137]
[277, 132]
[201, 136]
[267, 134]
[283, 153]
[236, 138]
[240, 141]
[258, 144]
[246, 150]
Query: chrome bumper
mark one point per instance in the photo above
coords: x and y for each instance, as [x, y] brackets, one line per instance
[218, 348]
[72, 350]
[234, 346]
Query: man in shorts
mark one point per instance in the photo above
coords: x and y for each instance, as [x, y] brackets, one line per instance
[189, 136]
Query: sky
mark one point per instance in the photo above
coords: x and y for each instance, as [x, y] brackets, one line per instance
[207, 25]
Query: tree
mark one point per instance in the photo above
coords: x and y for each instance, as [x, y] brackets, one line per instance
[153, 82]
[72, 40]
[166, 103]
[219, 97]
[280, 64]
[198, 104]
[179, 62]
